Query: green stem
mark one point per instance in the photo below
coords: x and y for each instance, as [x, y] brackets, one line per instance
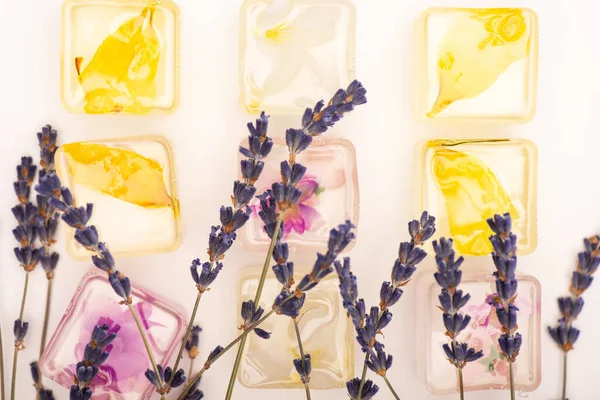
[24, 298]
[389, 385]
[564, 388]
[208, 363]
[363, 377]
[13, 388]
[299, 339]
[46, 316]
[191, 368]
[461, 386]
[2, 391]
[147, 346]
[364, 371]
[261, 284]
[512, 380]
[185, 338]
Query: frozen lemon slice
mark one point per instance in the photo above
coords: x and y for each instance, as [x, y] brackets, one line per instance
[120, 173]
[123, 69]
[472, 194]
[476, 49]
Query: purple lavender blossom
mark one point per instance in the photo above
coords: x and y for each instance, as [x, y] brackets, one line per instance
[369, 325]
[448, 276]
[95, 354]
[504, 255]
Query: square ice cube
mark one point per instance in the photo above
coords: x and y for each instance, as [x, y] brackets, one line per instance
[120, 56]
[294, 52]
[131, 182]
[479, 64]
[490, 371]
[122, 375]
[464, 182]
[330, 195]
[327, 335]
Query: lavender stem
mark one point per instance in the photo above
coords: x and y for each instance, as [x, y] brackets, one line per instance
[512, 380]
[17, 349]
[261, 284]
[299, 339]
[2, 391]
[147, 346]
[186, 336]
[389, 385]
[222, 352]
[46, 316]
[564, 387]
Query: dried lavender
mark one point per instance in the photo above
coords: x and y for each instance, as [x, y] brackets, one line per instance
[284, 194]
[95, 354]
[504, 243]
[46, 221]
[42, 392]
[232, 218]
[368, 325]
[27, 254]
[87, 235]
[564, 333]
[191, 346]
[289, 301]
[448, 276]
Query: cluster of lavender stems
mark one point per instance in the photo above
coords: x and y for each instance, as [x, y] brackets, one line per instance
[34, 223]
[449, 276]
[95, 354]
[27, 254]
[285, 194]
[288, 302]
[504, 255]
[369, 325]
[564, 333]
[47, 221]
[232, 218]
[86, 235]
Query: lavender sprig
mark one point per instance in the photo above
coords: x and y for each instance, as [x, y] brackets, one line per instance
[368, 325]
[289, 301]
[285, 193]
[46, 221]
[42, 392]
[26, 253]
[504, 243]
[191, 346]
[95, 354]
[449, 276]
[232, 218]
[564, 333]
[87, 235]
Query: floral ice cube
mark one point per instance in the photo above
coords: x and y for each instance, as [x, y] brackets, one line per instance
[131, 183]
[294, 52]
[330, 195]
[120, 56]
[327, 334]
[490, 371]
[465, 182]
[122, 375]
[479, 64]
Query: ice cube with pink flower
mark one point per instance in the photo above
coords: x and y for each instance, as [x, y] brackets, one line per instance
[122, 375]
[329, 195]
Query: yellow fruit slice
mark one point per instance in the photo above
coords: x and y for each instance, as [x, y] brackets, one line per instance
[123, 69]
[472, 194]
[476, 49]
[120, 173]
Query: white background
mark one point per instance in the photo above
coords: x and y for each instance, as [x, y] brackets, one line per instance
[209, 125]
